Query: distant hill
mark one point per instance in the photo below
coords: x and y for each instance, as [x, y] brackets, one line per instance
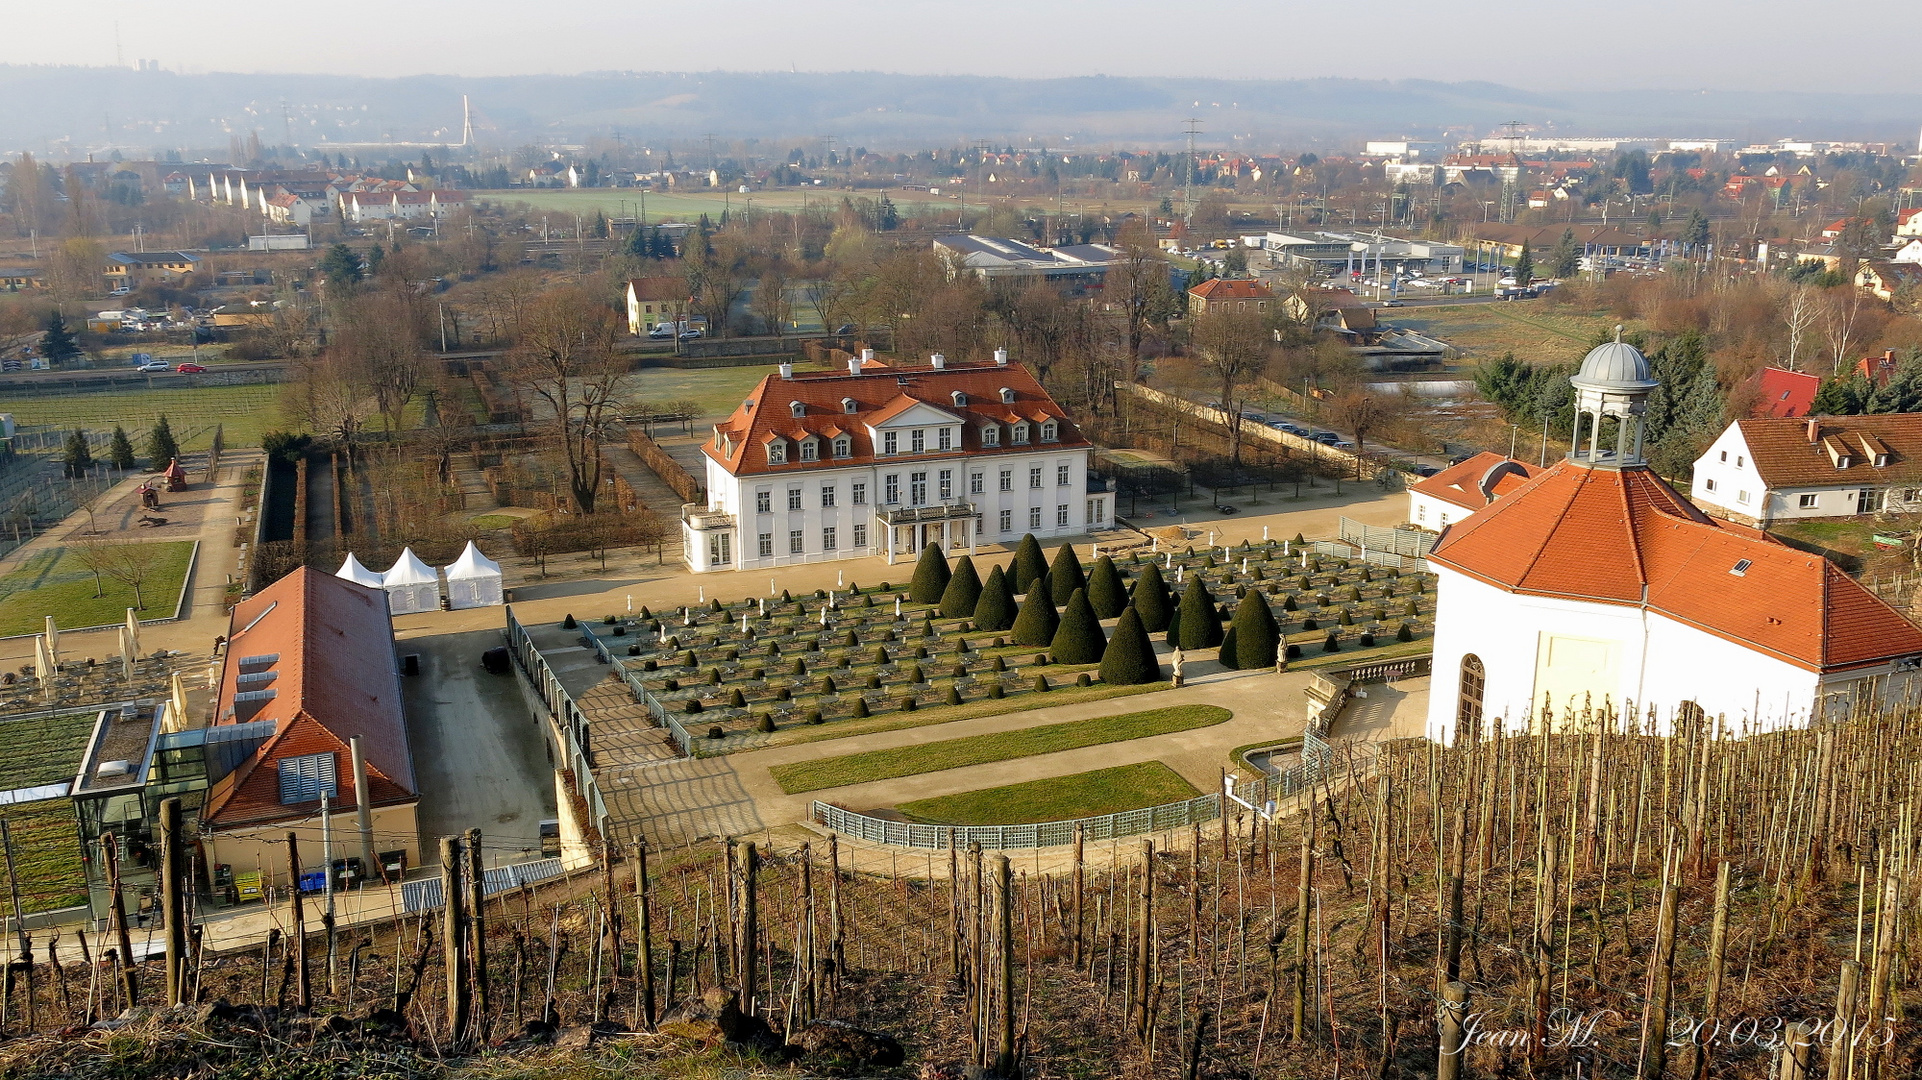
[89, 109]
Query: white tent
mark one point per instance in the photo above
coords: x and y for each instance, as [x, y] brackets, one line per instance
[474, 580]
[353, 571]
[411, 585]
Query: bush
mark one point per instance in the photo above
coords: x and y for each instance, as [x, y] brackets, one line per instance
[1310, 624]
[633, 650]
[691, 706]
[827, 684]
[851, 639]
[1037, 622]
[908, 704]
[1332, 644]
[1066, 575]
[994, 609]
[1227, 652]
[1404, 632]
[1040, 684]
[1292, 652]
[1256, 635]
[714, 676]
[1288, 604]
[997, 664]
[873, 683]
[671, 685]
[649, 665]
[1106, 592]
[1347, 618]
[996, 692]
[1083, 680]
[569, 623]
[757, 674]
[1028, 565]
[931, 576]
[1367, 639]
[860, 710]
[619, 630]
[812, 716]
[963, 591]
[1129, 659]
[920, 652]
[688, 659]
[881, 656]
[954, 696]
[766, 724]
[1149, 597]
[736, 699]
[1078, 639]
[960, 671]
[716, 733]
[915, 675]
[799, 668]
[1200, 625]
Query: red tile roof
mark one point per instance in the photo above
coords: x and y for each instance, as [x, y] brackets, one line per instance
[881, 393]
[1231, 289]
[1624, 537]
[1786, 394]
[1463, 484]
[335, 677]
[1786, 457]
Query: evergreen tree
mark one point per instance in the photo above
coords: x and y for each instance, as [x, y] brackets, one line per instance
[1149, 598]
[1255, 633]
[1037, 622]
[1129, 659]
[57, 345]
[374, 260]
[341, 267]
[1566, 260]
[930, 576]
[1695, 233]
[76, 459]
[1078, 639]
[1029, 563]
[1524, 266]
[120, 450]
[1066, 576]
[161, 447]
[598, 230]
[1106, 593]
[1200, 627]
[958, 600]
[1842, 396]
[995, 609]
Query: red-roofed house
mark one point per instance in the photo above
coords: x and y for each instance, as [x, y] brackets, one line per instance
[652, 301]
[1782, 393]
[1596, 586]
[1459, 490]
[1229, 294]
[819, 466]
[1908, 222]
[313, 654]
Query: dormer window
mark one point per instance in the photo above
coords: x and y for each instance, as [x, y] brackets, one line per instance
[890, 442]
[843, 446]
[849, 405]
[917, 440]
[1020, 433]
[1049, 431]
[1007, 395]
[777, 452]
[796, 408]
[959, 397]
[810, 450]
[944, 438]
[991, 435]
[1881, 461]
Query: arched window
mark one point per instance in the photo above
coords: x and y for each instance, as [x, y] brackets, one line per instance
[1468, 698]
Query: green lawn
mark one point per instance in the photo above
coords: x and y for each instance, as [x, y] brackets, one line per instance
[860, 768]
[244, 411]
[54, 582]
[1057, 798]
[43, 751]
[717, 391]
[46, 854]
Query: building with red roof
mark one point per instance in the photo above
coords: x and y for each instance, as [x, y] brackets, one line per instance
[1229, 294]
[313, 654]
[1465, 487]
[1595, 588]
[885, 459]
[1782, 393]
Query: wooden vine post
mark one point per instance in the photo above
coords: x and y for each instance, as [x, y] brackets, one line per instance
[453, 938]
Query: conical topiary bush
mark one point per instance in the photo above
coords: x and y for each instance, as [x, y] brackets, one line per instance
[1106, 594]
[930, 576]
[1255, 633]
[1037, 622]
[1079, 638]
[995, 609]
[1227, 653]
[1149, 598]
[1129, 659]
[1200, 627]
[1029, 563]
[1065, 576]
[963, 591]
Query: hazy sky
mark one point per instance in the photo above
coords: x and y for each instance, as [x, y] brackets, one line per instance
[1678, 44]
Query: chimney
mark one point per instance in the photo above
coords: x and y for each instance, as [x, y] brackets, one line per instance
[1001, 357]
[867, 355]
[787, 371]
[1815, 431]
[854, 365]
[939, 362]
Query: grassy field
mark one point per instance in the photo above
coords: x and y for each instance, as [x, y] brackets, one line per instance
[54, 582]
[1057, 798]
[800, 776]
[244, 411]
[43, 751]
[46, 855]
[1531, 329]
[717, 391]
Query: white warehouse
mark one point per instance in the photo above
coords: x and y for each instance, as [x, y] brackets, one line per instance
[881, 460]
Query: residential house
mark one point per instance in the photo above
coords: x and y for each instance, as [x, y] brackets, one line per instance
[16, 278]
[364, 206]
[652, 300]
[127, 270]
[1229, 294]
[1783, 394]
[1334, 309]
[1887, 280]
[1452, 494]
[1762, 471]
[1908, 222]
[820, 466]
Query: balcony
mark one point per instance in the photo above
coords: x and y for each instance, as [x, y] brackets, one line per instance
[915, 515]
[699, 518]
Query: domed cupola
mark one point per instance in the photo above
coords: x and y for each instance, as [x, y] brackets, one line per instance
[1611, 391]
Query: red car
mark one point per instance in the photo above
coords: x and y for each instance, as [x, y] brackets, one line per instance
[190, 369]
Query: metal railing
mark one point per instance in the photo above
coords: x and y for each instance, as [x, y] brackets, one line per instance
[568, 718]
[1385, 559]
[1372, 538]
[682, 737]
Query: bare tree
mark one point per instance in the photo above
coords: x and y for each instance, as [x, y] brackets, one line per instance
[1363, 411]
[1799, 310]
[131, 565]
[718, 271]
[380, 333]
[771, 302]
[95, 555]
[1137, 286]
[1233, 348]
[566, 359]
[329, 393]
[1841, 310]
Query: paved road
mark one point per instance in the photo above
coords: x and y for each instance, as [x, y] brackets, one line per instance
[478, 753]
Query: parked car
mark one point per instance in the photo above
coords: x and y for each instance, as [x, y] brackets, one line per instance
[692, 332]
[1426, 470]
[190, 369]
[155, 365]
[1326, 438]
[1342, 444]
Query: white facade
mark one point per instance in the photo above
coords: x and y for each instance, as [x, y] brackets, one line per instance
[1428, 512]
[1615, 656]
[830, 513]
[1727, 484]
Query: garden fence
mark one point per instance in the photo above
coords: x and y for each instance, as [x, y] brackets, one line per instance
[568, 719]
[682, 737]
